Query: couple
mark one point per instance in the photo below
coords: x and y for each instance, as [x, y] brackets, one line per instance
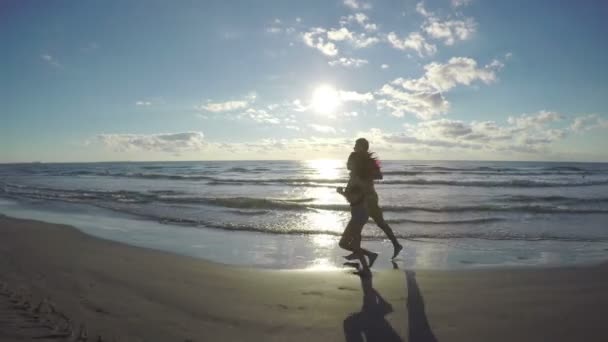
[360, 193]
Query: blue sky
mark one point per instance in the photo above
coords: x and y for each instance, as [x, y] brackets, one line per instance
[190, 80]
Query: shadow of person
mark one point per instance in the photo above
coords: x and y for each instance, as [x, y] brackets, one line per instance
[419, 329]
[369, 324]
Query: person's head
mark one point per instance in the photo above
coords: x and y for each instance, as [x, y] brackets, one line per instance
[361, 145]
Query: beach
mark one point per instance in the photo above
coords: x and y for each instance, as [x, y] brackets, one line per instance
[129, 293]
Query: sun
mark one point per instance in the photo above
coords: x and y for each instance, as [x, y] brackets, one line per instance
[325, 99]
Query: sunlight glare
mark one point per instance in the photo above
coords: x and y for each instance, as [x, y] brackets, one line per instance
[326, 168]
[325, 99]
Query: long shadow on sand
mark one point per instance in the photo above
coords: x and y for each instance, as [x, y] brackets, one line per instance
[370, 322]
[419, 329]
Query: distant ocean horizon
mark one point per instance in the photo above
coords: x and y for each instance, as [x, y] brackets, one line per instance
[456, 201]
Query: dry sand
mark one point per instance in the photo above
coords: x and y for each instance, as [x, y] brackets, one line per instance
[133, 294]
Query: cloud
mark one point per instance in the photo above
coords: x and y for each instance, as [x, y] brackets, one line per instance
[354, 4]
[460, 3]
[162, 142]
[143, 103]
[361, 19]
[51, 60]
[224, 106]
[347, 96]
[415, 41]
[339, 34]
[322, 39]
[348, 62]
[535, 120]
[260, 116]
[459, 70]
[423, 96]
[278, 26]
[451, 30]
[384, 66]
[588, 122]
[228, 106]
[315, 39]
[362, 40]
[423, 11]
[443, 135]
[322, 129]
[424, 104]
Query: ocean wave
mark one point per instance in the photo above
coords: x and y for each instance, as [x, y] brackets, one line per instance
[449, 222]
[294, 204]
[513, 183]
[495, 236]
[552, 199]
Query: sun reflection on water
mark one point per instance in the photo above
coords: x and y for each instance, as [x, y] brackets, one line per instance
[326, 168]
[322, 264]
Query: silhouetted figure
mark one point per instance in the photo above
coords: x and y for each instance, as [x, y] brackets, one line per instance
[365, 168]
[419, 329]
[351, 237]
[369, 324]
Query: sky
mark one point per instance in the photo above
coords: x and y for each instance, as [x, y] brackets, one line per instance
[137, 80]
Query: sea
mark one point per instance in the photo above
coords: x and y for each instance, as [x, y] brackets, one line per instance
[287, 214]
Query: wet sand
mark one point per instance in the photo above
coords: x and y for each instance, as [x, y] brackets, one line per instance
[128, 293]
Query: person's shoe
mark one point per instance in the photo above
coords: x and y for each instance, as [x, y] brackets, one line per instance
[372, 258]
[351, 256]
[354, 265]
[397, 250]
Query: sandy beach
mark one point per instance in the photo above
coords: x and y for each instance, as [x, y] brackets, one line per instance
[127, 293]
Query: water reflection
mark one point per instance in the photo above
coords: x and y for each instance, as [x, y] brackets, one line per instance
[325, 168]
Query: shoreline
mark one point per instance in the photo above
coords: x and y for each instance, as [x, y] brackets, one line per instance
[289, 251]
[137, 294]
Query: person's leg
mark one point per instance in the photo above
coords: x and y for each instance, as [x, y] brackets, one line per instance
[376, 214]
[360, 216]
[351, 238]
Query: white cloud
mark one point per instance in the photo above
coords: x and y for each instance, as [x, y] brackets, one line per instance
[361, 19]
[425, 105]
[461, 3]
[314, 38]
[322, 129]
[535, 120]
[445, 135]
[423, 11]
[321, 39]
[354, 96]
[588, 122]
[354, 4]
[143, 103]
[162, 142]
[339, 34]
[423, 96]
[459, 70]
[415, 41]
[260, 116]
[362, 40]
[228, 106]
[451, 30]
[348, 62]
[51, 60]
[224, 106]
[384, 66]
[274, 29]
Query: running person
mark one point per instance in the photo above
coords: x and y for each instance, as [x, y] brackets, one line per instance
[363, 164]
